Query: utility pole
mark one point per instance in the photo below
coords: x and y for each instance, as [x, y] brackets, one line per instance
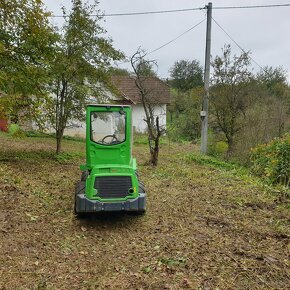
[204, 111]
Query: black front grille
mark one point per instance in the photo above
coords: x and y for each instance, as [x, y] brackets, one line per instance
[113, 186]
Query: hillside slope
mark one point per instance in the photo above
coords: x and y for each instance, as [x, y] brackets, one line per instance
[206, 228]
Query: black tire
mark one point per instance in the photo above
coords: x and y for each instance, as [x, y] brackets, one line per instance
[141, 190]
[141, 187]
[79, 189]
[85, 175]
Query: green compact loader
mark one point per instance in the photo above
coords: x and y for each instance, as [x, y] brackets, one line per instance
[109, 180]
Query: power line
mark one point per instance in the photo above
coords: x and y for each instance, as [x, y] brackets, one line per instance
[236, 43]
[153, 12]
[139, 13]
[252, 6]
[174, 39]
[180, 10]
[167, 43]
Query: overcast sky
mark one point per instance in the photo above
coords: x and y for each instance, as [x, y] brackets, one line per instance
[263, 31]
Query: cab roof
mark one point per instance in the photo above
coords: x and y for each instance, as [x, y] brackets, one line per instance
[108, 105]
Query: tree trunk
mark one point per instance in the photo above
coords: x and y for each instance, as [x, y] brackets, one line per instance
[59, 135]
[230, 150]
[154, 152]
[58, 145]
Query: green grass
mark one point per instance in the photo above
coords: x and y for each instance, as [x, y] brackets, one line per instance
[65, 156]
[211, 161]
[142, 139]
[233, 170]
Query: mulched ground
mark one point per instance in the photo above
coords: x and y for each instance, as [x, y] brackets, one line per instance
[205, 228]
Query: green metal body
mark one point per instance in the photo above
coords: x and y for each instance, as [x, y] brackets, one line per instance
[109, 160]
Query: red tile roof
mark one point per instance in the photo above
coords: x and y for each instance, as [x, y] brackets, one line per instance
[158, 92]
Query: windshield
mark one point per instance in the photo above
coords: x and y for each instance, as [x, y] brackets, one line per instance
[108, 128]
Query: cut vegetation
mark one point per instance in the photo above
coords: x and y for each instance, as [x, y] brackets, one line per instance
[208, 225]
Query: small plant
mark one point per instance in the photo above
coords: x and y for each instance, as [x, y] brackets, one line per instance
[271, 161]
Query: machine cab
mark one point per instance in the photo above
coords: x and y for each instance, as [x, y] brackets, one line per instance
[109, 135]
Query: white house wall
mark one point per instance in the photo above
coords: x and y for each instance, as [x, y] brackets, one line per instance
[138, 116]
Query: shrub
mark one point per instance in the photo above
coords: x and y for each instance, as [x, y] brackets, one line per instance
[13, 128]
[271, 161]
[15, 131]
[216, 147]
[221, 148]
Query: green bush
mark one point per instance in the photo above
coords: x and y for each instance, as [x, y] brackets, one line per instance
[221, 147]
[13, 128]
[216, 147]
[15, 131]
[271, 161]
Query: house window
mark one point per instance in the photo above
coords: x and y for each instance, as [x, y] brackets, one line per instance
[108, 128]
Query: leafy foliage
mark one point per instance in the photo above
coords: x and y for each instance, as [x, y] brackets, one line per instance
[184, 120]
[218, 148]
[81, 66]
[15, 131]
[275, 79]
[229, 94]
[146, 68]
[186, 75]
[272, 160]
[26, 46]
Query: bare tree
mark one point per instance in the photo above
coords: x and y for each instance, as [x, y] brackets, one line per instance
[142, 70]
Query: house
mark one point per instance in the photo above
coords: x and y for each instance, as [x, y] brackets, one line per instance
[127, 93]
[158, 95]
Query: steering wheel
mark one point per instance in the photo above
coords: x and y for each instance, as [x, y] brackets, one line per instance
[114, 139]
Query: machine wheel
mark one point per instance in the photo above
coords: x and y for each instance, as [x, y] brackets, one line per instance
[141, 190]
[85, 175]
[79, 189]
[141, 187]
